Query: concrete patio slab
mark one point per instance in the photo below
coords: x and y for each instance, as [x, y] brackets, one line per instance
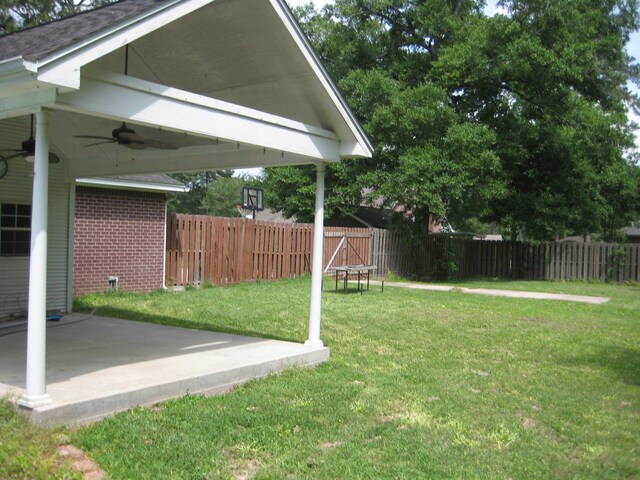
[498, 293]
[97, 366]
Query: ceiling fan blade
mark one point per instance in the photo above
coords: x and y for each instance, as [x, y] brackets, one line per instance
[159, 144]
[135, 145]
[129, 137]
[96, 137]
[53, 158]
[100, 143]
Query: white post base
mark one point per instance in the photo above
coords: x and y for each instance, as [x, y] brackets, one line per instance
[34, 402]
[314, 344]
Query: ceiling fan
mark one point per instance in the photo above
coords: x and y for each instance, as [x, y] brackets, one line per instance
[127, 137]
[28, 149]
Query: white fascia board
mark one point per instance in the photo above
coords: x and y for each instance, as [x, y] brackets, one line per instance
[16, 65]
[365, 149]
[19, 86]
[130, 185]
[353, 150]
[126, 98]
[64, 65]
[214, 157]
[27, 103]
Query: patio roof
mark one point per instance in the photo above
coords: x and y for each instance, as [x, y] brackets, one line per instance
[232, 83]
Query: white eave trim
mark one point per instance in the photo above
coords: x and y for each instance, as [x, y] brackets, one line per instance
[364, 148]
[16, 65]
[130, 185]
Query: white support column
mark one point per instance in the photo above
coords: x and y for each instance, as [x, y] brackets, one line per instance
[36, 394]
[316, 264]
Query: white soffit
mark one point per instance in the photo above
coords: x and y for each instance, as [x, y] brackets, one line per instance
[246, 52]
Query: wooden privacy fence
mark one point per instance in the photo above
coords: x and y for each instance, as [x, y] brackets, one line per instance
[440, 256]
[217, 250]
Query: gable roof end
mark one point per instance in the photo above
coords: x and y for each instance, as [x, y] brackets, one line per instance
[51, 56]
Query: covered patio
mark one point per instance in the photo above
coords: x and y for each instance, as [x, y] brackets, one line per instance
[97, 366]
[150, 86]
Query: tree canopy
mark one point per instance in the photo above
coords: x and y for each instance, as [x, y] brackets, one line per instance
[210, 193]
[518, 119]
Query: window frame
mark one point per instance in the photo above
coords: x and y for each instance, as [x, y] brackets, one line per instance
[19, 229]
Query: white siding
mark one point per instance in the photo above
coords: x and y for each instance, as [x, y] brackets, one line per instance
[16, 187]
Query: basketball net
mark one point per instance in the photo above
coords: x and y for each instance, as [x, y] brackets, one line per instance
[244, 213]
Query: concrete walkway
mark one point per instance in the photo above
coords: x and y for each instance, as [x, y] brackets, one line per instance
[97, 366]
[498, 293]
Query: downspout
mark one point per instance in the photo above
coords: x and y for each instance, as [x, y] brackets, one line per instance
[164, 248]
[70, 244]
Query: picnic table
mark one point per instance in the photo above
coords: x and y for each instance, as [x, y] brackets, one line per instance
[346, 270]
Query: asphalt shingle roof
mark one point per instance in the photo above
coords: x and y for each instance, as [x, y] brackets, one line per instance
[631, 231]
[36, 43]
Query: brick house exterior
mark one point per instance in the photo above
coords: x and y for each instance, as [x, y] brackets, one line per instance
[119, 232]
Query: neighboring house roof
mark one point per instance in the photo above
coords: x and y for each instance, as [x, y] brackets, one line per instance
[269, 215]
[364, 217]
[574, 239]
[150, 182]
[631, 232]
[38, 42]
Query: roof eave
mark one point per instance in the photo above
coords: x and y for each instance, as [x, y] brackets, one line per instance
[130, 185]
[17, 65]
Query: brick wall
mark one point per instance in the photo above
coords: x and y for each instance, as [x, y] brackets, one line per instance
[118, 232]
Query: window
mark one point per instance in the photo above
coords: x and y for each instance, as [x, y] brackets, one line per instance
[15, 230]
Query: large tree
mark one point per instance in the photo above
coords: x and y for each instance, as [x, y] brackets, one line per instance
[517, 119]
[550, 80]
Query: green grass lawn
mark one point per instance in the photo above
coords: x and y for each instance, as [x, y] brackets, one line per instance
[27, 451]
[420, 384]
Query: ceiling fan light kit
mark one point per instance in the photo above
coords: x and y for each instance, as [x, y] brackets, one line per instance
[28, 150]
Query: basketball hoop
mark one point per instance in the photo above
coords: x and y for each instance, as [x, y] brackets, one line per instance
[252, 200]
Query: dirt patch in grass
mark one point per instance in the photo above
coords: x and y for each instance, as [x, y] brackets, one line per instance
[331, 445]
[528, 423]
[245, 470]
